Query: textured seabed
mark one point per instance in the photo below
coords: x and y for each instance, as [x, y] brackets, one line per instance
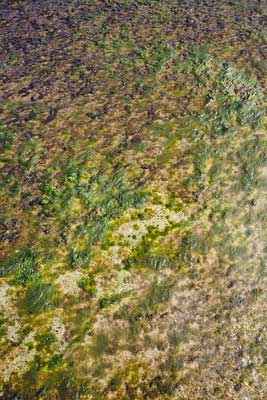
[133, 200]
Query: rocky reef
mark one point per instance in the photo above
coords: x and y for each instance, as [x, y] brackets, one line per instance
[133, 192]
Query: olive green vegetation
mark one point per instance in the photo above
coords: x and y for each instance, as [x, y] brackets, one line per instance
[112, 299]
[21, 263]
[101, 199]
[39, 296]
[133, 203]
[88, 284]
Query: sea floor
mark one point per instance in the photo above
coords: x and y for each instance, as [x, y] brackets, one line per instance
[133, 200]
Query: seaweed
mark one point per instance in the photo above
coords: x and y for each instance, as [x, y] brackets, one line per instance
[148, 115]
[107, 301]
[45, 340]
[22, 263]
[7, 137]
[100, 345]
[39, 297]
[88, 284]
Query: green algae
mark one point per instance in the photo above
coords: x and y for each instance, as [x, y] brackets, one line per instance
[7, 137]
[102, 198]
[162, 313]
[88, 284]
[157, 294]
[100, 345]
[21, 263]
[3, 326]
[44, 340]
[39, 296]
[112, 299]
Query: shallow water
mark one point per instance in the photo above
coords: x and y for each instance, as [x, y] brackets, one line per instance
[133, 200]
